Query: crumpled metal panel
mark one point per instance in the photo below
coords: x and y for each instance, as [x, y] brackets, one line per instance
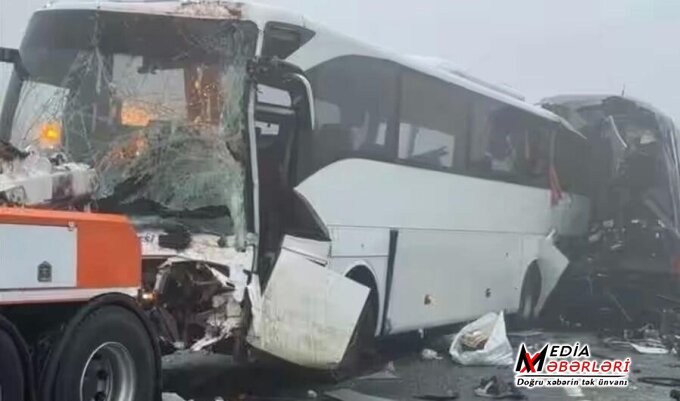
[307, 313]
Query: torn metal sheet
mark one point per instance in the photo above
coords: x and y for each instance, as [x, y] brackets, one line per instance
[313, 249]
[208, 307]
[202, 248]
[552, 263]
[226, 317]
[306, 321]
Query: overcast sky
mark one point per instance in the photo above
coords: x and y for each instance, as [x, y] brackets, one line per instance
[539, 47]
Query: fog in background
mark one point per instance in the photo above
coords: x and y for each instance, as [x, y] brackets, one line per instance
[539, 47]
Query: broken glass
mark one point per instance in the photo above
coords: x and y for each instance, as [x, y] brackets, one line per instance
[155, 104]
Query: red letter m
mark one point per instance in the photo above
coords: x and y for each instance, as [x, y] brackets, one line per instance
[530, 363]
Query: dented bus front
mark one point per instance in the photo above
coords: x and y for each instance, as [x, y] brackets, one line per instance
[160, 101]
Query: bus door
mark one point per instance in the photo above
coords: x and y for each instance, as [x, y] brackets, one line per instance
[304, 313]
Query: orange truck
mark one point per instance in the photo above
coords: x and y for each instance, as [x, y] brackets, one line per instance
[74, 283]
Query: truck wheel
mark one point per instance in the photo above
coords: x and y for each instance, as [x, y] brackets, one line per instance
[109, 358]
[11, 370]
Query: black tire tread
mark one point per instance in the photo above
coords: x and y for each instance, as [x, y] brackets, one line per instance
[12, 379]
[105, 312]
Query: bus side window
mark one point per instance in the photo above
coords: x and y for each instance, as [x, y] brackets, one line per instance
[493, 148]
[532, 158]
[508, 144]
[355, 98]
[571, 161]
[433, 122]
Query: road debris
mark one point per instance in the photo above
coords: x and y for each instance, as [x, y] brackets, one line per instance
[489, 336]
[387, 373]
[660, 381]
[675, 394]
[496, 388]
[450, 395]
[645, 340]
[428, 354]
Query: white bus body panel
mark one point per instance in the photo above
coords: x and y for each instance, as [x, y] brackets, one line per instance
[307, 313]
[464, 243]
[362, 247]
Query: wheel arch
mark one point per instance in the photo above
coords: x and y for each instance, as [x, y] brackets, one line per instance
[111, 299]
[363, 273]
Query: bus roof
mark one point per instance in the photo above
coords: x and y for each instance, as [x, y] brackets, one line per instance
[261, 14]
[213, 9]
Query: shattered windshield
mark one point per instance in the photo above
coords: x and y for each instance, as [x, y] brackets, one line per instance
[153, 103]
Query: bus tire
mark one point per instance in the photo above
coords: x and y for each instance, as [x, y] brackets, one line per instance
[11, 370]
[109, 356]
[362, 341]
[531, 289]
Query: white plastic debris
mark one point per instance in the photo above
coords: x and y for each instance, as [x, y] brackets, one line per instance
[172, 397]
[496, 350]
[312, 394]
[429, 354]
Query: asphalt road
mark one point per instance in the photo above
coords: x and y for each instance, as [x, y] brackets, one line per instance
[399, 373]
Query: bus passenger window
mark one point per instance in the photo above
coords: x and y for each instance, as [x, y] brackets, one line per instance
[509, 144]
[355, 101]
[494, 149]
[426, 146]
[432, 122]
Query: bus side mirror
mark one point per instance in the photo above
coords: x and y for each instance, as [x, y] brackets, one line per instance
[9, 55]
[309, 97]
[12, 56]
[279, 74]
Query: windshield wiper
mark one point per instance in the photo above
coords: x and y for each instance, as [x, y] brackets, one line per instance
[147, 207]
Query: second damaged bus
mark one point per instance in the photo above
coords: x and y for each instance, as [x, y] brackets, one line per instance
[294, 190]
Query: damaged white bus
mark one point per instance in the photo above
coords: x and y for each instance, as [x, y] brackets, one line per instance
[294, 190]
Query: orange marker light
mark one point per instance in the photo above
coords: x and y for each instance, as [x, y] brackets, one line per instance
[50, 134]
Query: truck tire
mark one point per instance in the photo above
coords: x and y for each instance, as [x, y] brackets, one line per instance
[109, 357]
[11, 370]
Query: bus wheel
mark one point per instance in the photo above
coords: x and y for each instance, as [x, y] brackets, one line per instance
[109, 358]
[362, 340]
[11, 371]
[531, 289]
